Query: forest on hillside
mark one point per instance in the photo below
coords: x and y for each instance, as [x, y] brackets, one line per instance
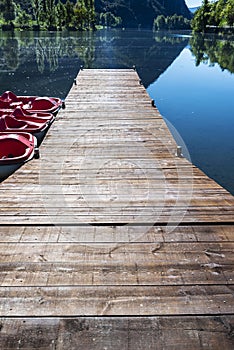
[47, 14]
[86, 14]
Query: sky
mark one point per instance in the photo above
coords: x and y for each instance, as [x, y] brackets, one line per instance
[193, 3]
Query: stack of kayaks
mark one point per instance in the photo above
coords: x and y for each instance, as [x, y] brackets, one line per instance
[24, 120]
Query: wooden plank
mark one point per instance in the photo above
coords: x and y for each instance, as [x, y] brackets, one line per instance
[129, 333]
[116, 234]
[109, 264]
[116, 300]
[128, 253]
[57, 216]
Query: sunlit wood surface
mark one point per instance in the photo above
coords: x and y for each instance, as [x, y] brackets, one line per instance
[110, 240]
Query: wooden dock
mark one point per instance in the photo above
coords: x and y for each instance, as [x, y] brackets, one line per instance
[110, 240]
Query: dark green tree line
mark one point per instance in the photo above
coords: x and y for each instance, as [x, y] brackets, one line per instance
[219, 14]
[48, 14]
[171, 22]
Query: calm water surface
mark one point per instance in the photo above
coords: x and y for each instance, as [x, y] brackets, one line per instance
[191, 80]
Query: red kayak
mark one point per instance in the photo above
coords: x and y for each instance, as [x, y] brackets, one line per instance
[15, 150]
[32, 104]
[5, 106]
[34, 126]
[20, 114]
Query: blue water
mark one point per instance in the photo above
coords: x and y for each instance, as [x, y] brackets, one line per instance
[197, 100]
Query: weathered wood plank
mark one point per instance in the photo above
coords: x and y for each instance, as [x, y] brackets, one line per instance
[110, 264]
[129, 333]
[117, 234]
[116, 300]
[118, 333]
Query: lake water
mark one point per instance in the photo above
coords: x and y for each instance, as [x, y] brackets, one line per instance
[190, 78]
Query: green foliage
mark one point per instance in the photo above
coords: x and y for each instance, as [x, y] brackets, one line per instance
[81, 15]
[47, 14]
[69, 7]
[90, 6]
[61, 14]
[228, 13]
[160, 23]
[37, 10]
[177, 22]
[171, 22]
[50, 14]
[23, 19]
[107, 19]
[7, 7]
[141, 13]
[218, 14]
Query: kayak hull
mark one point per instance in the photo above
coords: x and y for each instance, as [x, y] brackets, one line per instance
[31, 104]
[15, 150]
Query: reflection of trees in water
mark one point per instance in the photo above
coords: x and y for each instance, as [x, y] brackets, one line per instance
[85, 49]
[112, 48]
[211, 51]
[151, 55]
[10, 50]
[171, 39]
[9, 54]
[14, 48]
[25, 39]
[47, 54]
[50, 50]
[108, 37]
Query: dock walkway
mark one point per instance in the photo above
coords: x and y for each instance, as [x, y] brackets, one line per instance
[110, 240]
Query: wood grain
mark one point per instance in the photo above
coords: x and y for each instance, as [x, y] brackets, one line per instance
[111, 241]
[119, 333]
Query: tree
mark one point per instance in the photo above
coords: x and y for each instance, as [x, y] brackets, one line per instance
[217, 14]
[80, 18]
[8, 10]
[69, 13]
[90, 13]
[201, 17]
[160, 23]
[108, 19]
[37, 10]
[171, 22]
[22, 18]
[228, 13]
[61, 14]
[50, 13]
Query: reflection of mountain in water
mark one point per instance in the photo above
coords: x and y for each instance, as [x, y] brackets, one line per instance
[48, 62]
[160, 56]
[150, 53]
